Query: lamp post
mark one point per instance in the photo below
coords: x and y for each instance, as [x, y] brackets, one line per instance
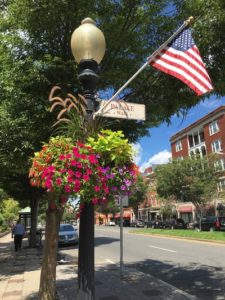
[88, 48]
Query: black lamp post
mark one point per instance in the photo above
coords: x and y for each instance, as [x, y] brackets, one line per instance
[88, 47]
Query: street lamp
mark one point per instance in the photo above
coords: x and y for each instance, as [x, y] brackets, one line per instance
[88, 48]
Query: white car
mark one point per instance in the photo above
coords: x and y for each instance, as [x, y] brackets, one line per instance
[111, 223]
[67, 234]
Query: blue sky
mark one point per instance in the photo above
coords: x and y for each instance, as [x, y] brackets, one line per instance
[155, 149]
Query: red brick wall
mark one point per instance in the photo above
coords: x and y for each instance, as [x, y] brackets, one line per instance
[183, 152]
[217, 136]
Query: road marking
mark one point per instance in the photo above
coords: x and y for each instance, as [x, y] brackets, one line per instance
[3, 247]
[110, 261]
[162, 249]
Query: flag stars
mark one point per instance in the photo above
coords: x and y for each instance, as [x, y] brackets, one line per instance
[183, 41]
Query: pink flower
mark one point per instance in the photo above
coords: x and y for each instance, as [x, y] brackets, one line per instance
[78, 174]
[89, 171]
[97, 188]
[70, 172]
[67, 189]
[69, 179]
[86, 177]
[76, 189]
[79, 165]
[106, 190]
[73, 163]
[58, 181]
[48, 184]
[62, 157]
[92, 159]
[83, 156]
[95, 201]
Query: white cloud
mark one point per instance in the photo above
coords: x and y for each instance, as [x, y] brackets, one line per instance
[137, 153]
[160, 158]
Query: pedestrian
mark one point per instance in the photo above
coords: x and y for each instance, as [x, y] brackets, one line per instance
[18, 233]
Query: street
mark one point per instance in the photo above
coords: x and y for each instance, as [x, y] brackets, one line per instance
[197, 268]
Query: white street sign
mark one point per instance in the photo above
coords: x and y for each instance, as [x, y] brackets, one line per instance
[121, 109]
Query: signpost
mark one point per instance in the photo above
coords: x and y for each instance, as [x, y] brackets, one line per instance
[129, 111]
[122, 110]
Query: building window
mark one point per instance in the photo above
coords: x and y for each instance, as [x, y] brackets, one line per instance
[203, 150]
[190, 139]
[178, 146]
[220, 164]
[202, 137]
[221, 185]
[216, 146]
[213, 127]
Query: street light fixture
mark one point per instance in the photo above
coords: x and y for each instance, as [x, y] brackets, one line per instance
[88, 48]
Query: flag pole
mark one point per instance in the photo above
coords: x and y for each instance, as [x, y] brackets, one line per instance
[149, 59]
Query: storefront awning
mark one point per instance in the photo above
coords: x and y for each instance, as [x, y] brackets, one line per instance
[185, 209]
[126, 214]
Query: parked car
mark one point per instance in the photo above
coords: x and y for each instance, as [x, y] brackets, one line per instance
[137, 223]
[175, 224]
[222, 223]
[111, 223]
[67, 234]
[156, 224]
[210, 223]
[126, 223]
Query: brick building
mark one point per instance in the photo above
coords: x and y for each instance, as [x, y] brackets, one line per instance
[205, 136]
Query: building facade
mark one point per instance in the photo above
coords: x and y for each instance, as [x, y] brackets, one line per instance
[203, 137]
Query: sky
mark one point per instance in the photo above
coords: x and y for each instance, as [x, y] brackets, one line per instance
[155, 149]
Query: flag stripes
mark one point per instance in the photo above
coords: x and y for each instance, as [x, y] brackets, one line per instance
[182, 60]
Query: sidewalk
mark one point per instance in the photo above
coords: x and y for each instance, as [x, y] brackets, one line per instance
[20, 277]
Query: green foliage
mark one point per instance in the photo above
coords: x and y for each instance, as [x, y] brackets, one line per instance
[139, 194]
[112, 147]
[208, 30]
[10, 209]
[190, 179]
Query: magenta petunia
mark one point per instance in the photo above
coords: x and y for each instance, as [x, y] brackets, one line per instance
[67, 189]
[78, 174]
[96, 188]
[58, 181]
[86, 177]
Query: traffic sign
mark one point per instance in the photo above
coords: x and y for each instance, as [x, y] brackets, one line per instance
[121, 109]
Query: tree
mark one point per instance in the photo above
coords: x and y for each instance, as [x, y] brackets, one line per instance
[34, 57]
[96, 171]
[191, 179]
[138, 195]
[208, 30]
[9, 210]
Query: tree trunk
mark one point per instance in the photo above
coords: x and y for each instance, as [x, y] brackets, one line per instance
[86, 284]
[33, 229]
[47, 289]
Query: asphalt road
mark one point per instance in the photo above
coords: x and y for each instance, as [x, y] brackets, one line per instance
[197, 268]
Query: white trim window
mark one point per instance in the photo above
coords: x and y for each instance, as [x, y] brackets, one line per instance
[213, 127]
[220, 164]
[216, 146]
[178, 146]
[221, 185]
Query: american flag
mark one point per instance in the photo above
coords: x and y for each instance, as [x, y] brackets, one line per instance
[181, 59]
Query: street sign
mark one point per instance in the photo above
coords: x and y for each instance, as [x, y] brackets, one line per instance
[121, 109]
[123, 199]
